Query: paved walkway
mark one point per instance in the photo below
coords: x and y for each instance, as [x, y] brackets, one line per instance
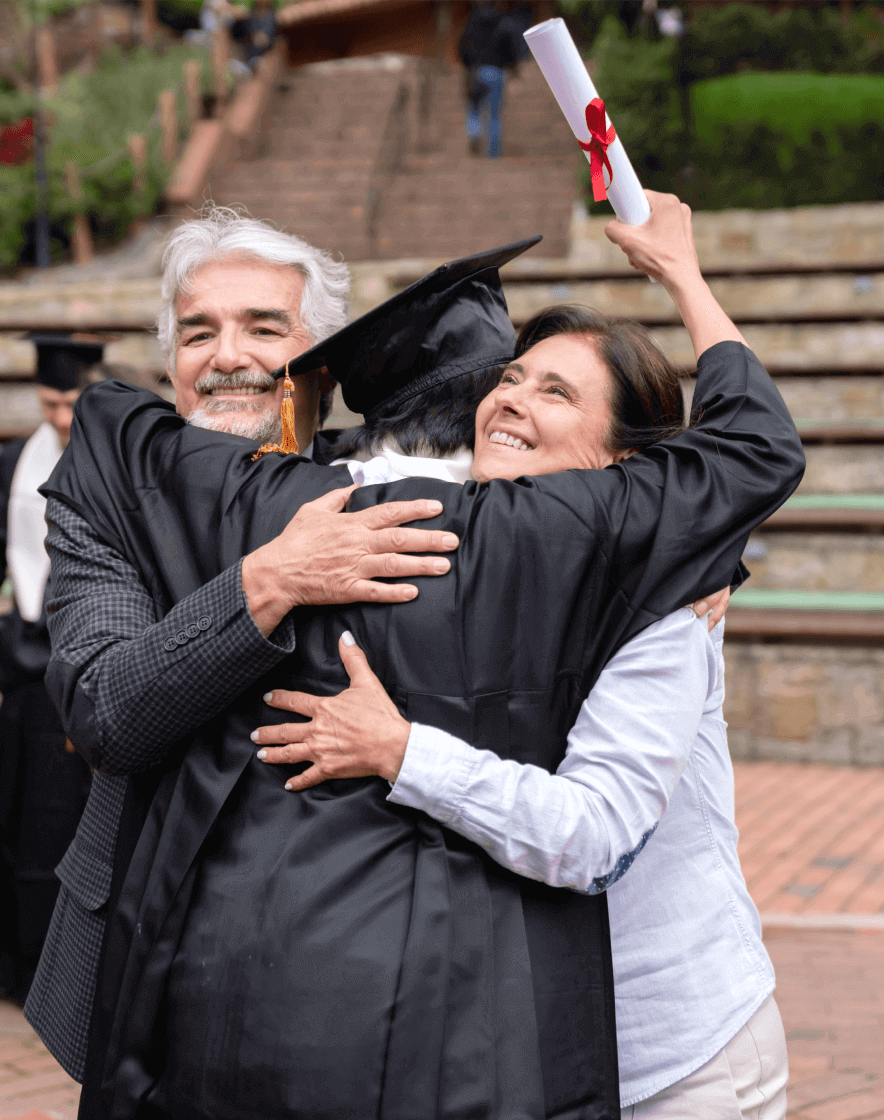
[812, 841]
[812, 845]
[33, 1086]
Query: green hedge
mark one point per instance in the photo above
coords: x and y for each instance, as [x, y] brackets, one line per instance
[89, 122]
[795, 105]
[695, 119]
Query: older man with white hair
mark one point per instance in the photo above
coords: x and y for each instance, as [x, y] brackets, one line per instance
[239, 299]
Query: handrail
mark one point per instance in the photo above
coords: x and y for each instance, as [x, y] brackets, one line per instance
[388, 161]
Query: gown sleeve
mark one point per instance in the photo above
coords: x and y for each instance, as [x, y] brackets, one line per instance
[582, 827]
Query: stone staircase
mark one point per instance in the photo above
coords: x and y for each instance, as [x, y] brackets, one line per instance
[368, 157]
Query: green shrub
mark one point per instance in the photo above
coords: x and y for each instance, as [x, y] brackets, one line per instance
[795, 105]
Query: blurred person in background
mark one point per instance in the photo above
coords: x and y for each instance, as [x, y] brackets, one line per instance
[490, 45]
[43, 783]
[256, 31]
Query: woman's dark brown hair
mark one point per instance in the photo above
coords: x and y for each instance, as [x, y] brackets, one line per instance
[646, 399]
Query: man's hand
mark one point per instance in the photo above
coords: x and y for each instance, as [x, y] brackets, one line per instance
[324, 556]
[357, 734]
[712, 607]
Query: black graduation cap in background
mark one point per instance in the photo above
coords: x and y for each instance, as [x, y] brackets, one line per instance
[62, 357]
[451, 322]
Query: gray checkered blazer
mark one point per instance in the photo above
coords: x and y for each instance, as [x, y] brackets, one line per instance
[129, 685]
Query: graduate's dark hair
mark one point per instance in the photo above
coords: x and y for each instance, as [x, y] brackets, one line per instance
[646, 399]
[437, 421]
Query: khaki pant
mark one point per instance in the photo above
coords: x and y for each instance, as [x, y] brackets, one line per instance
[744, 1081]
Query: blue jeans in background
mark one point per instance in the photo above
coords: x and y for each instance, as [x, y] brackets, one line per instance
[486, 91]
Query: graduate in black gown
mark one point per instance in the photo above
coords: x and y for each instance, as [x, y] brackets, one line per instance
[43, 785]
[332, 955]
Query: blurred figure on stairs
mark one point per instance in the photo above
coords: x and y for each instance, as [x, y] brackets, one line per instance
[490, 45]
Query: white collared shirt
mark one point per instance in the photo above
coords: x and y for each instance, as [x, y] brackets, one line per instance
[646, 787]
[26, 556]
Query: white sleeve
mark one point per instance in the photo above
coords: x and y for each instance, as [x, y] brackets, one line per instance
[581, 827]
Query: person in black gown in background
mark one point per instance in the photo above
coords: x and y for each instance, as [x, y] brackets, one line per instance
[43, 783]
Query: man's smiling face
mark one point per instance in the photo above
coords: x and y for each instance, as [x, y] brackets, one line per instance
[240, 321]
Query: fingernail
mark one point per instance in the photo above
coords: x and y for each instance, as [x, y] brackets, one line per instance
[410, 593]
[268, 697]
[434, 507]
[348, 639]
[288, 785]
[441, 566]
[254, 736]
[450, 540]
[701, 608]
[262, 755]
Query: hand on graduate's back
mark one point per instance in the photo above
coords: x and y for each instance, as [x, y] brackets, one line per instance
[325, 556]
[357, 734]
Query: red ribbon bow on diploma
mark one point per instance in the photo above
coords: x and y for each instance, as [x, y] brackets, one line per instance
[598, 147]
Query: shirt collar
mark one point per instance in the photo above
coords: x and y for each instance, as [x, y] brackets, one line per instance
[448, 468]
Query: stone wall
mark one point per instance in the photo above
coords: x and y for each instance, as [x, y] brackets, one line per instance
[804, 702]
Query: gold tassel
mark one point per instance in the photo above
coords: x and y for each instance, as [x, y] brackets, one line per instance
[289, 445]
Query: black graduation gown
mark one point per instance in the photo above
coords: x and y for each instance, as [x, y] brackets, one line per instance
[43, 787]
[328, 954]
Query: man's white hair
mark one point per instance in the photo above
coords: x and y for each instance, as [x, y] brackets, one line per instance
[221, 232]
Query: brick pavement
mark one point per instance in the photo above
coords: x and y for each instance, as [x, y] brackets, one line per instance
[812, 845]
[812, 840]
[33, 1086]
[830, 990]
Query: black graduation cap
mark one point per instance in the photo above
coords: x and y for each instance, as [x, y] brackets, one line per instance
[62, 357]
[451, 322]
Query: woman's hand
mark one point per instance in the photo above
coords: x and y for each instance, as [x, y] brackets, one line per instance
[357, 734]
[664, 248]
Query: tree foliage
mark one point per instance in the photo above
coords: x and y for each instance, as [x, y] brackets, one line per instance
[89, 122]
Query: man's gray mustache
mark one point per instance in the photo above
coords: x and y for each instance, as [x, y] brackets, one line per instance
[239, 379]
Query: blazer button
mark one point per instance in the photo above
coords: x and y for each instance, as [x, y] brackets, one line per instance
[205, 622]
[170, 644]
[181, 638]
[192, 630]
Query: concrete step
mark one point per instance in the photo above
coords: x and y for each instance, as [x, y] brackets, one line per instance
[806, 239]
[816, 562]
[858, 469]
[796, 348]
[840, 398]
[826, 296]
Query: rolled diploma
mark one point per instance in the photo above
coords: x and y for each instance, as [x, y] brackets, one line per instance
[564, 69]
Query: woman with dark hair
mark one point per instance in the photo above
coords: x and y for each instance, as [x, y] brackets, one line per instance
[646, 785]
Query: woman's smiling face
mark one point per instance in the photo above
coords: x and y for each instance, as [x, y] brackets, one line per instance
[550, 412]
